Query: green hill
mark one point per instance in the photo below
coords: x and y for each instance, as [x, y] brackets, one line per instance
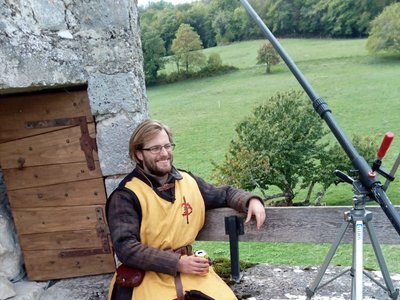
[361, 90]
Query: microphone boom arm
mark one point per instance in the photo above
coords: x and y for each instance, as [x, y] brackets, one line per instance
[366, 176]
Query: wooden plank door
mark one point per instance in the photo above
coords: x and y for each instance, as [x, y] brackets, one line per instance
[54, 183]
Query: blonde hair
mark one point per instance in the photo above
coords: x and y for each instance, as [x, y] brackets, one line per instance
[144, 132]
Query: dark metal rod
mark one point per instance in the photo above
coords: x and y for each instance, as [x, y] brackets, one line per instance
[231, 224]
[366, 176]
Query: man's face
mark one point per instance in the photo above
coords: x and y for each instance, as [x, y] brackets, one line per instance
[158, 164]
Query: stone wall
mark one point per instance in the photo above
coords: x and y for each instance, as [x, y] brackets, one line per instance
[10, 253]
[62, 43]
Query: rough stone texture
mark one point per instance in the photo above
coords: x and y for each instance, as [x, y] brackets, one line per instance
[88, 288]
[112, 183]
[29, 290]
[38, 51]
[10, 251]
[289, 282]
[109, 94]
[113, 134]
[6, 289]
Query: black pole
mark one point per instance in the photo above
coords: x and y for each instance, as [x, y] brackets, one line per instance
[234, 227]
[366, 175]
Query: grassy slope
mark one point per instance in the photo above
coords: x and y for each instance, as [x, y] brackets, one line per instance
[362, 92]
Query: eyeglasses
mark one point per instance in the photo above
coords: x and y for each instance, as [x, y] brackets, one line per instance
[157, 149]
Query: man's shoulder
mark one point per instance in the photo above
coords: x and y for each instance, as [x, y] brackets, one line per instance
[181, 172]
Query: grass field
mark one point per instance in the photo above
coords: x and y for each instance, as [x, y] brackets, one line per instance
[362, 91]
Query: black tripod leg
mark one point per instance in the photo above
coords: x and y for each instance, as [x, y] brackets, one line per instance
[310, 291]
[393, 293]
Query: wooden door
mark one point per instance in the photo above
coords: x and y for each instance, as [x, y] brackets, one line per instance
[54, 184]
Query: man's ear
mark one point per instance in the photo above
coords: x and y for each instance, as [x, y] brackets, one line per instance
[139, 155]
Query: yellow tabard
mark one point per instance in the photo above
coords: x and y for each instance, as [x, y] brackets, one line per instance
[167, 225]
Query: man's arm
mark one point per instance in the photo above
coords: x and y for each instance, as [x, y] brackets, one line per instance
[228, 196]
[124, 217]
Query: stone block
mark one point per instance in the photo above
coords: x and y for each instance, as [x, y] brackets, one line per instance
[10, 251]
[111, 183]
[103, 14]
[49, 14]
[110, 94]
[30, 290]
[6, 289]
[113, 136]
[82, 288]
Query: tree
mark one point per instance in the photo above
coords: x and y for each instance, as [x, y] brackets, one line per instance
[267, 55]
[284, 144]
[334, 158]
[283, 15]
[168, 24]
[153, 55]
[339, 18]
[244, 27]
[199, 17]
[276, 146]
[185, 46]
[160, 17]
[222, 25]
[385, 31]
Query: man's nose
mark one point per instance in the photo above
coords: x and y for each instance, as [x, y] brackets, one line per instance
[164, 151]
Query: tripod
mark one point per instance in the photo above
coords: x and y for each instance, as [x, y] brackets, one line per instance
[358, 217]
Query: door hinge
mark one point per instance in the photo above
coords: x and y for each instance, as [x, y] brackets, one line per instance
[102, 232]
[88, 144]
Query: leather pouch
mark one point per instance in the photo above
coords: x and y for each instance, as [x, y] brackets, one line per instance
[129, 277]
[196, 295]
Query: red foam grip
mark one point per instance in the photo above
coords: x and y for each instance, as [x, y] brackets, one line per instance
[387, 140]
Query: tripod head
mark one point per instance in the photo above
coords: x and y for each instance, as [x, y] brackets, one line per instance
[361, 195]
[366, 176]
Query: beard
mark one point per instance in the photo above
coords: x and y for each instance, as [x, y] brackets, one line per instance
[158, 167]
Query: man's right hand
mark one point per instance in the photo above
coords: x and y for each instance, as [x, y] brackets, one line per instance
[193, 265]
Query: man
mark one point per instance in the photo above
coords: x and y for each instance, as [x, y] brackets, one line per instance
[155, 215]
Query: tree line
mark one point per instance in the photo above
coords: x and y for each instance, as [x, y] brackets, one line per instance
[219, 22]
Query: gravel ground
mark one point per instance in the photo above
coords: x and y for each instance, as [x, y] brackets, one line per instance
[264, 282]
[261, 282]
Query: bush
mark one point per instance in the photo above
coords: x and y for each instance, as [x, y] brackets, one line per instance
[276, 146]
[283, 144]
[214, 61]
[385, 31]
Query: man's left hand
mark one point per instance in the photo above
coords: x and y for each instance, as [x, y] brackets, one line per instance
[257, 209]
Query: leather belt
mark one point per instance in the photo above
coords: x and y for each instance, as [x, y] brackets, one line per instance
[185, 250]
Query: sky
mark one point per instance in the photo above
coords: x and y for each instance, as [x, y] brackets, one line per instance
[145, 2]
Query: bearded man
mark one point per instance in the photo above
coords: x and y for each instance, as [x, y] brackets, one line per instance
[155, 215]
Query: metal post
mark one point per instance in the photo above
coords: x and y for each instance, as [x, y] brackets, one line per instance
[234, 227]
[358, 268]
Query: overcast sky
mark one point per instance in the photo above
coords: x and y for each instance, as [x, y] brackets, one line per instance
[145, 2]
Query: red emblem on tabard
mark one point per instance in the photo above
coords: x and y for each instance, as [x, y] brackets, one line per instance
[187, 209]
